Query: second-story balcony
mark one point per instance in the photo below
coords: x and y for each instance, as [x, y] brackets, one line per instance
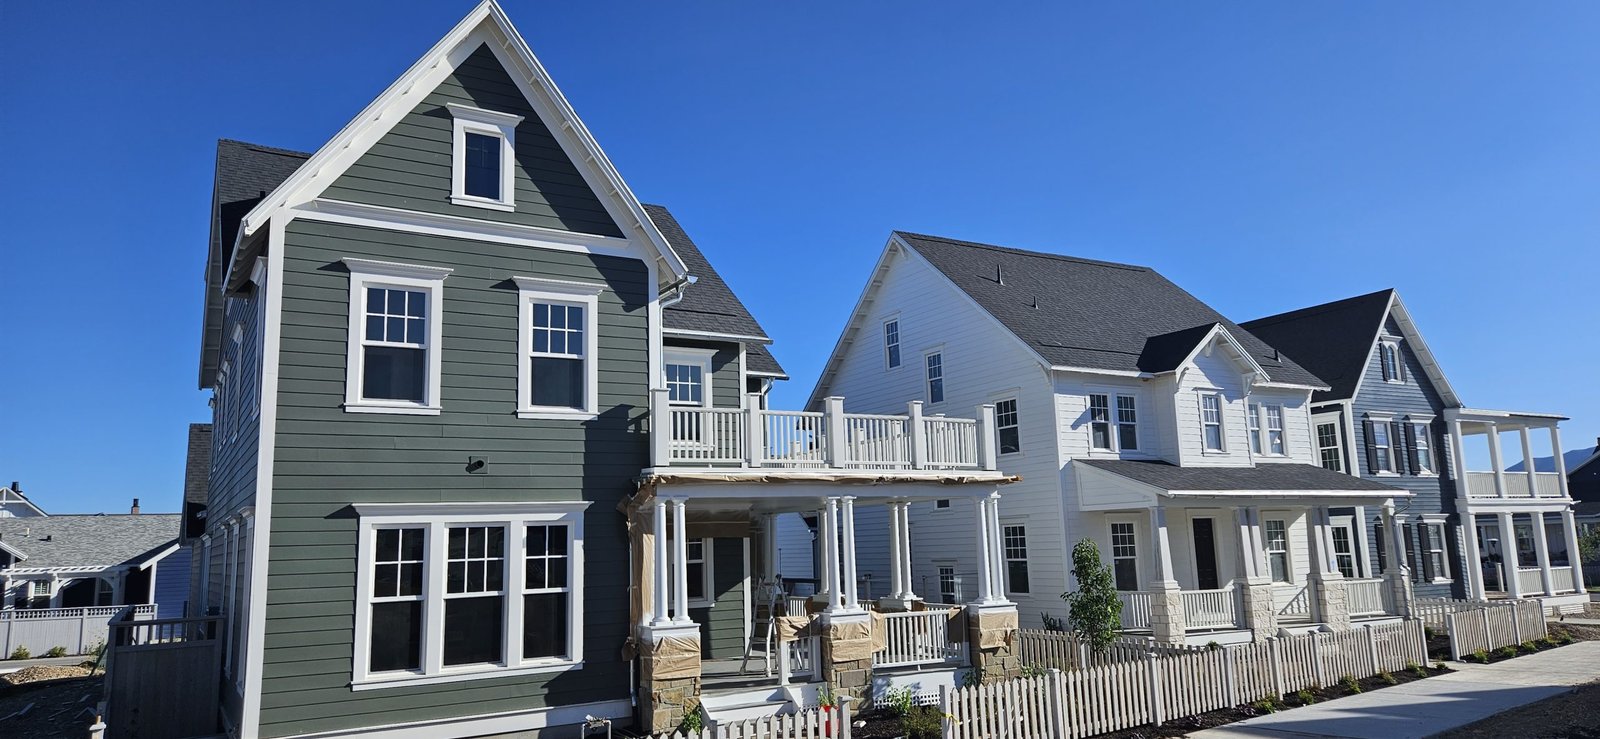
[831, 440]
[1518, 484]
[1501, 482]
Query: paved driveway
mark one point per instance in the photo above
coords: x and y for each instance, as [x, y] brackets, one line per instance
[1426, 707]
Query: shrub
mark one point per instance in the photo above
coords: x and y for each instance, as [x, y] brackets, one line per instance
[1440, 666]
[692, 723]
[1266, 705]
[922, 723]
[56, 652]
[1094, 610]
[1351, 685]
[971, 678]
[899, 701]
[1416, 669]
[1429, 632]
[1528, 646]
[1547, 642]
[1053, 623]
[1564, 638]
[1306, 697]
[1481, 656]
[1034, 670]
[1212, 646]
[1387, 678]
[1505, 652]
[21, 652]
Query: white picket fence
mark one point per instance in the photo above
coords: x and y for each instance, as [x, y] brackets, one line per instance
[78, 630]
[823, 722]
[1161, 687]
[1482, 624]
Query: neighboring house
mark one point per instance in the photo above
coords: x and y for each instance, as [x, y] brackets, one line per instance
[192, 541]
[1136, 416]
[73, 561]
[1583, 471]
[490, 450]
[13, 504]
[1391, 416]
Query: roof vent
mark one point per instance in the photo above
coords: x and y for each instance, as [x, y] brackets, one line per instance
[999, 275]
[1036, 302]
[49, 537]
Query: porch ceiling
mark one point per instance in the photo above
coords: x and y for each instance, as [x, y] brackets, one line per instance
[1113, 484]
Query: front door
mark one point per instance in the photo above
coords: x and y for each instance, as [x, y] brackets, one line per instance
[1205, 554]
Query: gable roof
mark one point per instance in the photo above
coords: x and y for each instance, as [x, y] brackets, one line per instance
[709, 305]
[197, 464]
[97, 540]
[1335, 340]
[1091, 315]
[11, 498]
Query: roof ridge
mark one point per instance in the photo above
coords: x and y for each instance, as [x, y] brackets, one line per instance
[1025, 252]
[265, 148]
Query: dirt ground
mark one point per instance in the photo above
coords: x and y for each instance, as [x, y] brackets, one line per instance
[58, 708]
[1570, 715]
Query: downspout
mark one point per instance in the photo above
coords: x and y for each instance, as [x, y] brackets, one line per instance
[677, 289]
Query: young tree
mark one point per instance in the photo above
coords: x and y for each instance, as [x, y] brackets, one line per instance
[1094, 611]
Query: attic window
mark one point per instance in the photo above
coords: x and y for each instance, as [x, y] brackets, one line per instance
[1389, 358]
[482, 163]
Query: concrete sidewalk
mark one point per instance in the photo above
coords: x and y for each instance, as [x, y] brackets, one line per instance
[1427, 707]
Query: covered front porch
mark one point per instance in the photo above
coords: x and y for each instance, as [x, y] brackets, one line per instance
[718, 627]
[1238, 554]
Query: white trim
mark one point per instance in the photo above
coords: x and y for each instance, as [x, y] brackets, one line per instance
[436, 520]
[708, 598]
[456, 227]
[427, 279]
[1388, 344]
[563, 293]
[689, 334]
[500, 126]
[1222, 422]
[927, 381]
[1132, 523]
[694, 356]
[492, 724]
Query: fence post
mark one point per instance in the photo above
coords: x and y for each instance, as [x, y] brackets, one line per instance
[1231, 671]
[1516, 621]
[842, 731]
[947, 721]
[1058, 711]
[1450, 630]
[1277, 664]
[1372, 650]
[1153, 668]
[1316, 659]
[1486, 638]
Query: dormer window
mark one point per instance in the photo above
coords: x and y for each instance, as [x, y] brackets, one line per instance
[483, 158]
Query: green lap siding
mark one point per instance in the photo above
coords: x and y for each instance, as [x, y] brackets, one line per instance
[327, 459]
[722, 625]
[726, 390]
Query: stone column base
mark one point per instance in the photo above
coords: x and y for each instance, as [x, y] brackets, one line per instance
[847, 654]
[1259, 611]
[669, 677]
[1166, 617]
[992, 642]
[1333, 604]
[1400, 592]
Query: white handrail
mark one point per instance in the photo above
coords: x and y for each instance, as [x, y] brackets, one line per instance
[1367, 596]
[1209, 609]
[918, 638]
[951, 443]
[793, 439]
[1135, 609]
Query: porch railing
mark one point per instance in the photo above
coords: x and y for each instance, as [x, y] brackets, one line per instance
[1562, 577]
[1545, 485]
[1211, 609]
[797, 659]
[919, 638]
[1296, 600]
[1530, 580]
[1368, 596]
[1135, 609]
[753, 437]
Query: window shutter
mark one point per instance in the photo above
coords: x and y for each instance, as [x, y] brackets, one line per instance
[1372, 449]
[1411, 448]
[1397, 446]
[1427, 561]
[1383, 551]
[1383, 361]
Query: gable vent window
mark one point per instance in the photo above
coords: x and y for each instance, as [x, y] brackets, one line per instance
[482, 164]
[394, 364]
[1389, 357]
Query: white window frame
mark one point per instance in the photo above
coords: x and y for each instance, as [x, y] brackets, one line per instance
[691, 356]
[437, 519]
[1276, 446]
[1252, 420]
[1111, 541]
[1000, 424]
[1110, 426]
[893, 351]
[1113, 420]
[708, 578]
[1317, 422]
[1221, 423]
[1422, 428]
[1384, 424]
[1434, 523]
[1348, 525]
[586, 295]
[954, 594]
[1396, 375]
[1287, 551]
[1117, 423]
[365, 273]
[927, 377]
[1006, 554]
[503, 126]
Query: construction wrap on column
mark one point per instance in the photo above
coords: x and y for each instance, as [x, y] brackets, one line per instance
[669, 681]
[992, 631]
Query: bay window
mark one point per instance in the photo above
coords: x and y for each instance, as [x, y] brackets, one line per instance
[451, 592]
[557, 372]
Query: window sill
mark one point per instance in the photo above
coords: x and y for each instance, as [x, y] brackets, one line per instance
[477, 202]
[556, 414]
[475, 673]
[398, 410]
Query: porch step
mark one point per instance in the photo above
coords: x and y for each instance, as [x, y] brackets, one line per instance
[742, 705]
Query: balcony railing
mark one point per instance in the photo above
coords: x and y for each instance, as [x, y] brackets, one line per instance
[1135, 609]
[1546, 485]
[753, 437]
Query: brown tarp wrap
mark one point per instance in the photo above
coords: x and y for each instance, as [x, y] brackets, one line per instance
[674, 657]
[859, 477]
[791, 628]
[852, 640]
[996, 630]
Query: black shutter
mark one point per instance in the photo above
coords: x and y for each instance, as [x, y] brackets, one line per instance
[1397, 446]
[1372, 449]
[1383, 360]
[1411, 448]
[1411, 551]
[1427, 561]
[1383, 551]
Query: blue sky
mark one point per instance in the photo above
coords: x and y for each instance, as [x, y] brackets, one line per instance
[1265, 156]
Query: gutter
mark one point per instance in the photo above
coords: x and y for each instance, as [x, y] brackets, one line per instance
[678, 290]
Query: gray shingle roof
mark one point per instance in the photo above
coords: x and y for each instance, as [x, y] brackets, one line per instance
[197, 464]
[759, 360]
[246, 172]
[1332, 340]
[1091, 314]
[98, 540]
[1266, 477]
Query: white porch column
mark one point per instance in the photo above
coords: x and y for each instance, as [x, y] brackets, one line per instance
[1322, 544]
[981, 506]
[1165, 579]
[659, 615]
[908, 592]
[823, 595]
[1508, 555]
[769, 548]
[847, 513]
[1256, 542]
[897, 578]
[1541, 551]
[1474, 568]
[831, 548]
[680, 568]
[1495, 461]
[1561, 465]
[1333, 605]
[1395, 575]
[1569, 526]
[1527, 462]
[1247, 555]
[997, 556]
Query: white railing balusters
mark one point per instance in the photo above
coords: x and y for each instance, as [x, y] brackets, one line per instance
[1210, 609]
[1135, 610]
[919, 638]
[1367, 596]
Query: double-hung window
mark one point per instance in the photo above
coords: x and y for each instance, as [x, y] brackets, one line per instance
[1344, 548]
[1275, 430]
[1007, 426]
[697, 558]
[1389, 361]
[688, 379]
[1127, 423]
[1211, 421]
[1276, 533]
[1113, 422]
[450, 592]
[1099, 421]
[891, 343]
[935, 364]
[393, 363]
[949, 585]
[483, 162]
[1329, 452]
[1421, 442]
[1016, 550]
[1382, 446]
[1253, 426]
[557, 371]
[1124, 556]
[1433, 551]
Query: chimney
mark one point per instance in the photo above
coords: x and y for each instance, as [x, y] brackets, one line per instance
[16, 487]
[135, 509]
